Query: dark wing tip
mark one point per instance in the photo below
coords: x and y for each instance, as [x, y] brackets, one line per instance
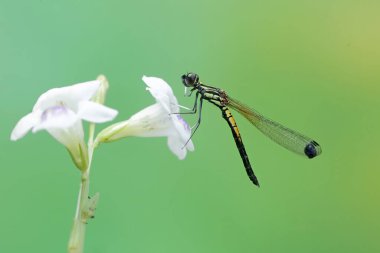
[312, 149]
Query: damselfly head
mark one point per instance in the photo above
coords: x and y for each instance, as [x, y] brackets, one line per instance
[190, 79]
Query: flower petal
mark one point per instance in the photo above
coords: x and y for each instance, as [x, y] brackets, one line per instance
[183, 131]
[113, 132]
[162, 92]
[190, 145]
[157, 85]
[73, 139]
[56, 117]
[82, 91]
[24, 125]
[176, 146]
[153, 121]
[68, 96]
[68, 136]
[95, 112]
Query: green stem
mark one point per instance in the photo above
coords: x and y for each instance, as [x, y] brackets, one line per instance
[85, 207]
[76, 241]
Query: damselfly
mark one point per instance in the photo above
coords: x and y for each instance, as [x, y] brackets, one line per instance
[284, 136]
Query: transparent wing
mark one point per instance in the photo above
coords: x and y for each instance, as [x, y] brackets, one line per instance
[284, 136]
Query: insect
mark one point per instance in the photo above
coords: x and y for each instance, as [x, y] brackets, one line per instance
[282, 135]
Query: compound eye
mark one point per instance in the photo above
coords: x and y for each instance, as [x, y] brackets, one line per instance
[185, 80]
[193, 78]
[190, 79]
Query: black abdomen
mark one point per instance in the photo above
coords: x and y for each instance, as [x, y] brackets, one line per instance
[239, 144]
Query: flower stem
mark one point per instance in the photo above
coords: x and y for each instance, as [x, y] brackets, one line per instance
[76, 241]
[85, 206]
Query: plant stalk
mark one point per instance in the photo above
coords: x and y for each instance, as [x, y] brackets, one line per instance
[85, 206]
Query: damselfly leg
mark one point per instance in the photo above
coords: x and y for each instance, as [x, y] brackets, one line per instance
[195, 127]
[194, 110]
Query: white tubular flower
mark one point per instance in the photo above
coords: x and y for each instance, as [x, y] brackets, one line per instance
[156, 120]
[60, 112]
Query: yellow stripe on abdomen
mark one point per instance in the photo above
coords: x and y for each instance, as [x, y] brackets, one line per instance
[232, 122]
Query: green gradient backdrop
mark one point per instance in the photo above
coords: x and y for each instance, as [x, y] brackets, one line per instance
[312, 65]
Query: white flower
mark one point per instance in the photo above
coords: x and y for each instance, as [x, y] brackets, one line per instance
[156, 120]
[60, 112]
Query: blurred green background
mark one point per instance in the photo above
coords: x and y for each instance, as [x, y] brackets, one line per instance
[312, 65]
